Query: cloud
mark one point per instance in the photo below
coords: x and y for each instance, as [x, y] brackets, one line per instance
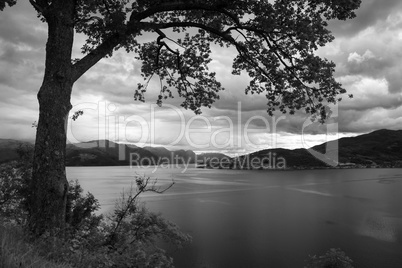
[19, 25]
[367, 53]
[366, 50]
[368, 15]
[359, 59]
[17, 122]
[380, 60]
[377, 118]
[369, 93]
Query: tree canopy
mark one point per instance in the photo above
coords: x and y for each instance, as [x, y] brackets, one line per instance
[275, 40]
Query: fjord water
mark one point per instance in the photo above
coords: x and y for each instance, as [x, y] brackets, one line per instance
[254, 218]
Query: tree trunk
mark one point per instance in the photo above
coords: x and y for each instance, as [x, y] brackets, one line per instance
[49, 184]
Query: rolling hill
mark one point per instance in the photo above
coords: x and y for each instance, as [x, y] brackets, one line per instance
[381, 148]
[108, 153]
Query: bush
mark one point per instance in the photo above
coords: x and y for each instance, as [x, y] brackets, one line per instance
[14, 187]
[129, 237]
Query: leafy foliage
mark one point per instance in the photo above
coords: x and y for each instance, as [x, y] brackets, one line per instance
[77, 114]
[8, 2]
[136, 232]
[81, 209]
[129, 237]
[14, 186]
[275, 42]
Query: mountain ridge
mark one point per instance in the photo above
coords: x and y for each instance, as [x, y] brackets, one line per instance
[380, 148]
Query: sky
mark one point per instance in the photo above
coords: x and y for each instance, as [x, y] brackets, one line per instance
[366, 50]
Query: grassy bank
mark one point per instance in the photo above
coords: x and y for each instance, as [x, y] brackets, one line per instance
[16, 252]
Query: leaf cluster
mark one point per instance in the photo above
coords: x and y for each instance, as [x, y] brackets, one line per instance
[276, 44]
[100, 20]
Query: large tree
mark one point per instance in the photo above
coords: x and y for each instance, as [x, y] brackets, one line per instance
[275, 40]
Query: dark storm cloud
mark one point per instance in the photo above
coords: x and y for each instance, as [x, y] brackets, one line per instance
[378, 62]
[22, 39]
[367, 64]
[369, 13]
[19, 25]
[367, 121]
[367, 53]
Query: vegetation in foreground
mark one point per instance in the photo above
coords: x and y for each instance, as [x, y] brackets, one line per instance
[129, 237]
[16, 252]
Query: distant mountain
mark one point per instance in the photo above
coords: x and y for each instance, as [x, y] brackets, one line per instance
[166, 156]
[107, 153]
[159, 151]
[211, 159]
[184, 156]
[104, 152]
[381, 148]
[207, 156]
[278, 159]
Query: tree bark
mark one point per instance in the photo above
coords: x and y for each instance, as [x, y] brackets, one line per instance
[49, 183]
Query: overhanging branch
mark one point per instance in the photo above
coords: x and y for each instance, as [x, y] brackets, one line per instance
[40, 6]
[36, 6]
[114, 40]
[180, 6]
[95, 55]
[135, 25]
